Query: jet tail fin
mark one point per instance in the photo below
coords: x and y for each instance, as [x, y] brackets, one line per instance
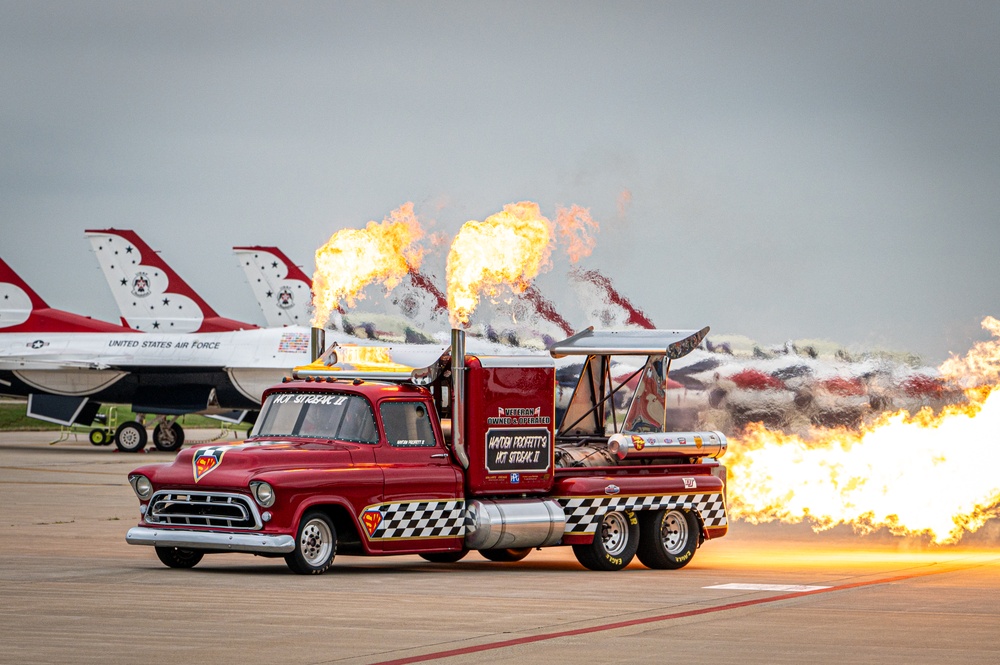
[149, 294]
[23, 310]
[283, 291]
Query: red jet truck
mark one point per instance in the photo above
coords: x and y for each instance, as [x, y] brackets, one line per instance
[356, 458]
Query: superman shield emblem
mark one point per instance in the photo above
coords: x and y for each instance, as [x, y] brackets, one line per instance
[206, 460]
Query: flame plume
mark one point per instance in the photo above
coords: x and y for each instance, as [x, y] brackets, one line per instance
[928, 473]
[509, 248]
[574, 226]
[353, 258]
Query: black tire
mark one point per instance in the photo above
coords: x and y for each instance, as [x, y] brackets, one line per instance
[315, 545]
[668, 538]
[99, 437]
[506, 554]
[444, 557]
[176, 557]
[130, 437]
[614, 544]
[168, 438]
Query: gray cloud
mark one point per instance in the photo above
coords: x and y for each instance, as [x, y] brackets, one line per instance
[796, 170]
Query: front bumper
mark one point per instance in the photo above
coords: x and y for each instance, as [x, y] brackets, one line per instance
[253, 543]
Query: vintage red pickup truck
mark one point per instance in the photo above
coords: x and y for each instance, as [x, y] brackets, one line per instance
[355, 457]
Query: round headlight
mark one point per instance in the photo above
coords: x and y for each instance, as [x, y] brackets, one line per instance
[263, 493]
[143, 488]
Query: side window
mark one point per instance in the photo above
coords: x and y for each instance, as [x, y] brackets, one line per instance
[358, 423]
[407, 424]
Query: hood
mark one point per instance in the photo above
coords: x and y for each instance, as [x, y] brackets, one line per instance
[233, 465]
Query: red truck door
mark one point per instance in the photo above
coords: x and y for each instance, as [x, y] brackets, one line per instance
[424, 500]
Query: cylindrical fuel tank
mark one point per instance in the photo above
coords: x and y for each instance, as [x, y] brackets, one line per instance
[635, 445]
[494, 524]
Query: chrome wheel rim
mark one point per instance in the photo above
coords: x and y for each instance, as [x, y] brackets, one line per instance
[614, 533]
[316, 542]
[674, 532]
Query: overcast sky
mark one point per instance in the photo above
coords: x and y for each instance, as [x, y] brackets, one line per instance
[795, 170]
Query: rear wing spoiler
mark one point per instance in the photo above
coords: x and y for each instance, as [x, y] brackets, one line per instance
[670, 343]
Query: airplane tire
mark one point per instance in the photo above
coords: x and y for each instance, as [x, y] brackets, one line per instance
[168, 438]
[130, 437]
[614, 544]
[99, 437]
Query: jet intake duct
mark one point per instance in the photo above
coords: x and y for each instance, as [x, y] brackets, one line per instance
[516, 523]
[636, 445]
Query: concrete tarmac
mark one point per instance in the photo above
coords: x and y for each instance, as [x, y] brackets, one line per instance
[72, 591]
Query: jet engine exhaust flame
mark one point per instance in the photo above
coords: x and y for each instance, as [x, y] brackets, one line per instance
[507, 249]
[929, 473]
[354, 258]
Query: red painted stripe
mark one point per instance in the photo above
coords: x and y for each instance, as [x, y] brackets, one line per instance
[489, 646]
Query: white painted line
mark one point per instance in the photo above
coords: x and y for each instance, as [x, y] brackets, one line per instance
[795, 588]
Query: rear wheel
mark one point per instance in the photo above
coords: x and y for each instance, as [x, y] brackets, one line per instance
[130, 437]
[315, 545]
[614, 543]
[667, 538]
[168, 437]
[444, 557]
[506, 554]
[99, 437]
[177, 557]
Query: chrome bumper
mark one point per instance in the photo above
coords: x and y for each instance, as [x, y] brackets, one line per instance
[255, 543]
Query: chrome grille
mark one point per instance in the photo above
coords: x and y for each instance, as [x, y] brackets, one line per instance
[211, 509]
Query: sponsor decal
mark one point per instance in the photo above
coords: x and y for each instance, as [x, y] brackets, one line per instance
[515, 478]
[140, 285]
[293, 343]
[372, 519]
[518, 450]
[697, 442]
[519, 416]
[690, 483]
[638, 442]
[207, 460]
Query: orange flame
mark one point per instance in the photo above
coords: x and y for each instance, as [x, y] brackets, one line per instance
[509, 248]
[574, 226]
[929, 473]
[353, 258]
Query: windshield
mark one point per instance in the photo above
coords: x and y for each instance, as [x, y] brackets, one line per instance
[317, 416]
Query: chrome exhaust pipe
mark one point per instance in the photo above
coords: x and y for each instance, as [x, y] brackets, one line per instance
[317, 343]
[458, 396]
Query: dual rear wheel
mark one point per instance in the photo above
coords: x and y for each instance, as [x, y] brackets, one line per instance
[662, 539]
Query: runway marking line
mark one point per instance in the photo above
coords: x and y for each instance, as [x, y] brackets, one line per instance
[489, 646]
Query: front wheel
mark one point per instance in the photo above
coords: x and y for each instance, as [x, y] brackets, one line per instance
[168, 438]
[506, 554]
[614, 543]
[315, 545]
[99, 437]
[130, 437]
[177, 557]
[668, 538]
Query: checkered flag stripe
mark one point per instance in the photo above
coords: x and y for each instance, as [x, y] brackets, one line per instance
[420, 519]
[583, 513]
